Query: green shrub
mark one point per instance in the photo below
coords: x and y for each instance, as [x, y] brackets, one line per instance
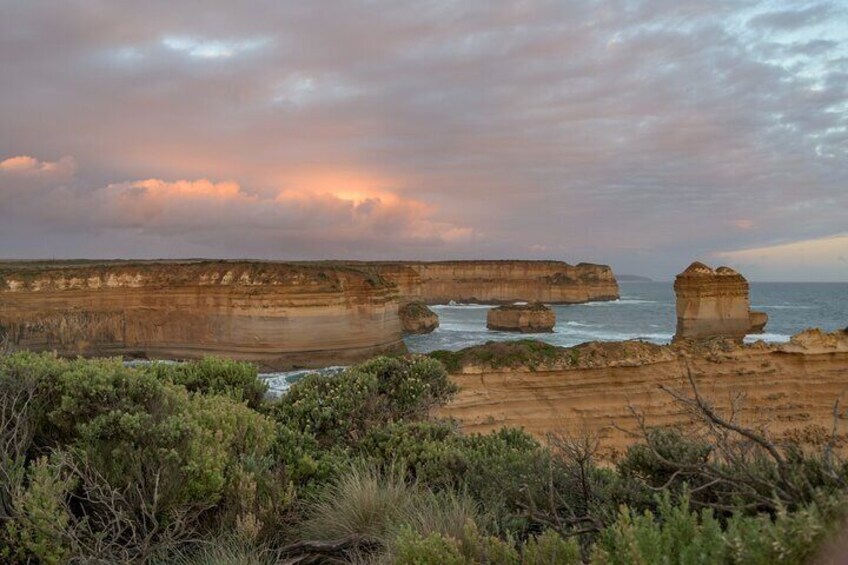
[237, 380]
[499, 354]
[42, 522]
[411, 548]
[340, 409]
[147, 457]
[791, 537]
[550, 548]
[676, 535]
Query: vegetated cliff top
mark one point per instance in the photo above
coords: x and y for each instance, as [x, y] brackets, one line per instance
[65, 274]
[499, 262]
[533, 355]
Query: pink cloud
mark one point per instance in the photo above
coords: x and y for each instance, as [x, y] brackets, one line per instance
[24, 165]
[201, 209]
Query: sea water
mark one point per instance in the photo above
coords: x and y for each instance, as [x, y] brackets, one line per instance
[645, 311]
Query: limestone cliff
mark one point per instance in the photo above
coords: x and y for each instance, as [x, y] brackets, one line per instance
[499, 282]
[279, 315]
[526, 318]
[592, 387]
[712, 303]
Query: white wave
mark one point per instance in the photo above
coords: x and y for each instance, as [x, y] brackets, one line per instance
[785, 307]
[767, 337]
[279, 382]
[620, 302]
[459, 306]
[580, 324]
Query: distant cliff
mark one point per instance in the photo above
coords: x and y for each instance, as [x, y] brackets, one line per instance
[279, 315]
[594, 386]
[495, 282]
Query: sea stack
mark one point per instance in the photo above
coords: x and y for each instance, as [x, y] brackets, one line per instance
[526, 318]
[714, 303]
[417, 318]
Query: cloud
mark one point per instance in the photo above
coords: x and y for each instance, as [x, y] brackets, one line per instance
[795, 18]
[212, 48]
[25, 166]
[640, 133]
[210, 213]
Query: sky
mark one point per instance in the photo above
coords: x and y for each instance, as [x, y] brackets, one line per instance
[640, 134]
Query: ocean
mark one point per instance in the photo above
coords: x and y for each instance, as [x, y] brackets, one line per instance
[644, 311]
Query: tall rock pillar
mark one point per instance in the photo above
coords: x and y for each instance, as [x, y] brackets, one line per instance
[712, 303]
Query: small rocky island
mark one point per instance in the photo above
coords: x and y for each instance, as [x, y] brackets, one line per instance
[525, 318]
[417, 318]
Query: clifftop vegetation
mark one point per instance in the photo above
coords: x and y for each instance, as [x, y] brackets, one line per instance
[191, 463]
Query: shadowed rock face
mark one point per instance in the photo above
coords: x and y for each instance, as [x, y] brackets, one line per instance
[499, 282]
[278, 315]
[526, 318]
[712, 303]
[416, 318]
[593, 386]
[758, 322]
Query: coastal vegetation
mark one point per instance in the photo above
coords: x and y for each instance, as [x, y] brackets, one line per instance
[192, 463]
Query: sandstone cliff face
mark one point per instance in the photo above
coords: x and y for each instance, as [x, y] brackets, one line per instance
[278, 315]
[499, 282]
[526, 318]
[711, 303]
[416, 318]
[592, 387]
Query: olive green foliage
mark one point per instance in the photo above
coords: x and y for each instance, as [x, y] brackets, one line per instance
[239, 381]
[678, 535]
[500, 354]
[340, 409]
[190, 463]
[141, 456]
[550, 548]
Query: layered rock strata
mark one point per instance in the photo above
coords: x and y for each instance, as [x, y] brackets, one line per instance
[417, 318]
[595, 387]
[278, 315]
[500, 282]
[525, 318]
[758, 321]
[714, 303]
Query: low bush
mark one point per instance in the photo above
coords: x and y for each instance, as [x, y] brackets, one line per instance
[237, 380]
[187, 463]
[340, 409]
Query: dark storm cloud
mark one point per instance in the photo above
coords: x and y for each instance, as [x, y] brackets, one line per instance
[638, 133]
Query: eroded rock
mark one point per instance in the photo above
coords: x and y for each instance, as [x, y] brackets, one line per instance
[714, 303]
[417, 318]
[525, 318]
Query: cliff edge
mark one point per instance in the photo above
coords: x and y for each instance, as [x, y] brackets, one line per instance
[276, 314]
[596, 387]
[500, 282]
